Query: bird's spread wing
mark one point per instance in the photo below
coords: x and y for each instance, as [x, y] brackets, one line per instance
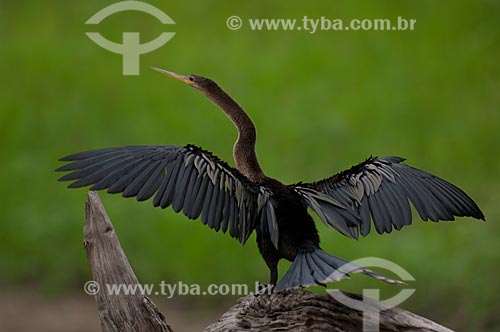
[188, 178]
[379, 189]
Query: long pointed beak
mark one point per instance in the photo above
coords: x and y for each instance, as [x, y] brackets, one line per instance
[182, 78]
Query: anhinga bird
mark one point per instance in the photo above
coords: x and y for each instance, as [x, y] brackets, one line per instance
[243, 199]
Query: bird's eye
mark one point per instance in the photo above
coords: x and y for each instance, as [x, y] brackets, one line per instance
[191, 78]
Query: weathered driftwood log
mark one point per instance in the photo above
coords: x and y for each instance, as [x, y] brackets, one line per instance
[292, 310]
[109, 266]
[298, 310]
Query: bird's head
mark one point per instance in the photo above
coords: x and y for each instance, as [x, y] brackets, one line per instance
[196, 81]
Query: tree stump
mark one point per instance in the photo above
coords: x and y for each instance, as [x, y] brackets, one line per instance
[290, 310]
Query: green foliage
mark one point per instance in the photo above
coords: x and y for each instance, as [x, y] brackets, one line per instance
[321, 102]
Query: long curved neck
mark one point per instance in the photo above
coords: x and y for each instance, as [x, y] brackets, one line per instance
[244, 147]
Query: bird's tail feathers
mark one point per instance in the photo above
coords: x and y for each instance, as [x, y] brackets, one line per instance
[317, 267]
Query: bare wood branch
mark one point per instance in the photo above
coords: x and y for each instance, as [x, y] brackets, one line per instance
[109, 265]
[301, 311]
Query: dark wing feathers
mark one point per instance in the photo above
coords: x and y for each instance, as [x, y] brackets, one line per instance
[379, 190]
[188, 178]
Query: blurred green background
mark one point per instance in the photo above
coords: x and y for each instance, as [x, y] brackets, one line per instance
[321, 103]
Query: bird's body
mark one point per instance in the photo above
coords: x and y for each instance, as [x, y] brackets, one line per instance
[297, 230]
[241, 200]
